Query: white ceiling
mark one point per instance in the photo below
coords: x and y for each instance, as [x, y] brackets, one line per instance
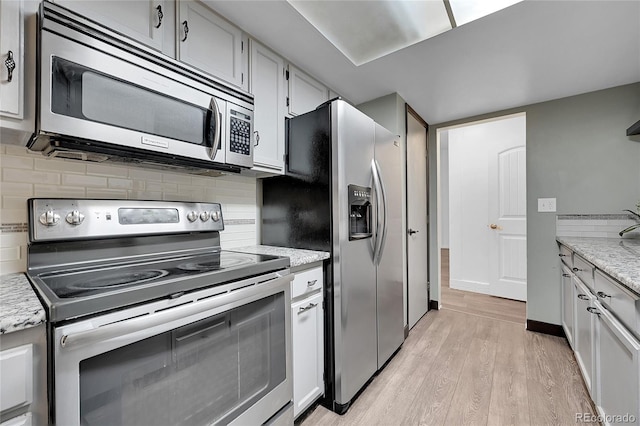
[531, 52]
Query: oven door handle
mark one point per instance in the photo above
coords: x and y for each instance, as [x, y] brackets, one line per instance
[178, 312]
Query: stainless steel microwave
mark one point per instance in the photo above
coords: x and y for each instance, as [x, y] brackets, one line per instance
[105, 97]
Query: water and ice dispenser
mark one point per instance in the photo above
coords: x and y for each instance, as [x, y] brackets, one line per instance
[359, 212]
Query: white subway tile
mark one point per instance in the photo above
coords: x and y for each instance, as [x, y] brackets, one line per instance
[142, 174]
[15, 188]
[177, 178]
[144, 195]
[206, 182]
[59, 165]
[58, 191]
[10, 253]
[17, 150]
[82, 180]
[115, 183]
[29, 176]
[177, 197]
[13, 239]
[105, 194]
[107, 170]
[162, 187]
[13, 216]
[14, 202]
[17, 162]
[13, 266]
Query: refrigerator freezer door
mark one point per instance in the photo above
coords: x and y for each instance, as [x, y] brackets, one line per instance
[388, 155]
[354, 281]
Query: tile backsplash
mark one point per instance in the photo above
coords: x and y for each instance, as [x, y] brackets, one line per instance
[592, 225]
[26, 175]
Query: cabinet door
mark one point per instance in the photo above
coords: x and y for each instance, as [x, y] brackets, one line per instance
[584, 333]
[308, 351]
[267, 86]
[618, 369]
[210, 43]
[12, 57]
[142, 20]
[305, 92]
[567, 304]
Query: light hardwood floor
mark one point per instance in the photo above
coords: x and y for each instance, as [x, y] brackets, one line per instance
[459, 368]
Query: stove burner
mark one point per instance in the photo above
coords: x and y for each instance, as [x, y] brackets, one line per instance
[214, 265]
[200, 267]
[119, 279]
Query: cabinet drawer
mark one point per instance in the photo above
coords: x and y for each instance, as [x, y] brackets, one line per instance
[583, 270]
[306, 282]
[16, 370]
[620, 302]
[566, 255]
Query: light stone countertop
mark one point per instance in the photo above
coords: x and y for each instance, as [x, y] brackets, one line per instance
[618, 257]
[20, 308]
[298, 257]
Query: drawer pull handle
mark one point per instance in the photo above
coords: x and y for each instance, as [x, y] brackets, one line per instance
[306, 308]
[160, 16]
[185, 28]
[577, 269]
[583, 297]
[603, 295]
[311, 283]
[562, 255]
[566, 275]
[11, 65]
[593, 311]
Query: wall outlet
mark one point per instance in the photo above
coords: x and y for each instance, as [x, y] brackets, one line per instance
[546, 204]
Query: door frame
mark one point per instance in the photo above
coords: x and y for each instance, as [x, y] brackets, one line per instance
[416, 116]
[438, 176]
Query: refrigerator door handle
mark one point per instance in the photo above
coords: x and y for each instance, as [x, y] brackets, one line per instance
[376, 232]
[381, 216]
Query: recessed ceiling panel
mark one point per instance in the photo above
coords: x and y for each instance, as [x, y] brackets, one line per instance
[465, 11]
[367, 30]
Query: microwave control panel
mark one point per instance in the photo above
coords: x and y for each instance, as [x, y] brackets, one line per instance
[240, 133]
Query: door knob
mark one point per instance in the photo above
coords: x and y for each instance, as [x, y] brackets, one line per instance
[411, 231]
[494, 226]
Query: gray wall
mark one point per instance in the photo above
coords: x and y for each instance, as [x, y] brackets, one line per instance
[577, 152]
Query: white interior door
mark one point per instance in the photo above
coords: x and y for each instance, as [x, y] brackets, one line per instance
[487, 216]
[417, 238]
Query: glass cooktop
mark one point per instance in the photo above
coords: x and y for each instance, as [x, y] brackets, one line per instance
[70, 294]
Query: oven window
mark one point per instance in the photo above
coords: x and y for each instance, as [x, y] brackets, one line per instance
[205, 372]
[84, 93]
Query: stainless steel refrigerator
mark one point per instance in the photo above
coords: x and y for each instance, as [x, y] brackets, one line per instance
[342, 193]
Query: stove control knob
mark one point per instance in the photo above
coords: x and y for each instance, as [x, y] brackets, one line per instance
[49, 218]
[215, 215]
[192, 216]
[75, 217]
[204, 216]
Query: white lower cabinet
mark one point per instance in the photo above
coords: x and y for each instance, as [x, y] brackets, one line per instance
[307, 323]
[568, 300]
[584, 334]
[618, 371]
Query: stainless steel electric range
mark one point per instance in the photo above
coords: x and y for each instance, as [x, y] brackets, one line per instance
[150, 322]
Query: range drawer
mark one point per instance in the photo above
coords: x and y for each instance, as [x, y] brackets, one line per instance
[583, 270]
[306, 282]
[623, 304]
[566, 255]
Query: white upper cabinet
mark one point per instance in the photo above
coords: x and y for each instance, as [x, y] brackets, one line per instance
[151, 22]
[12, 57]
[211, 43]
[267, 84]
[305, 92]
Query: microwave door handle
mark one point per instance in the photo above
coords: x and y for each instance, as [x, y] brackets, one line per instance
[214, 111]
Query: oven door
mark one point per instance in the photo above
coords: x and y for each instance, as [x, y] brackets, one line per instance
[216, 356]
[88, 94]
